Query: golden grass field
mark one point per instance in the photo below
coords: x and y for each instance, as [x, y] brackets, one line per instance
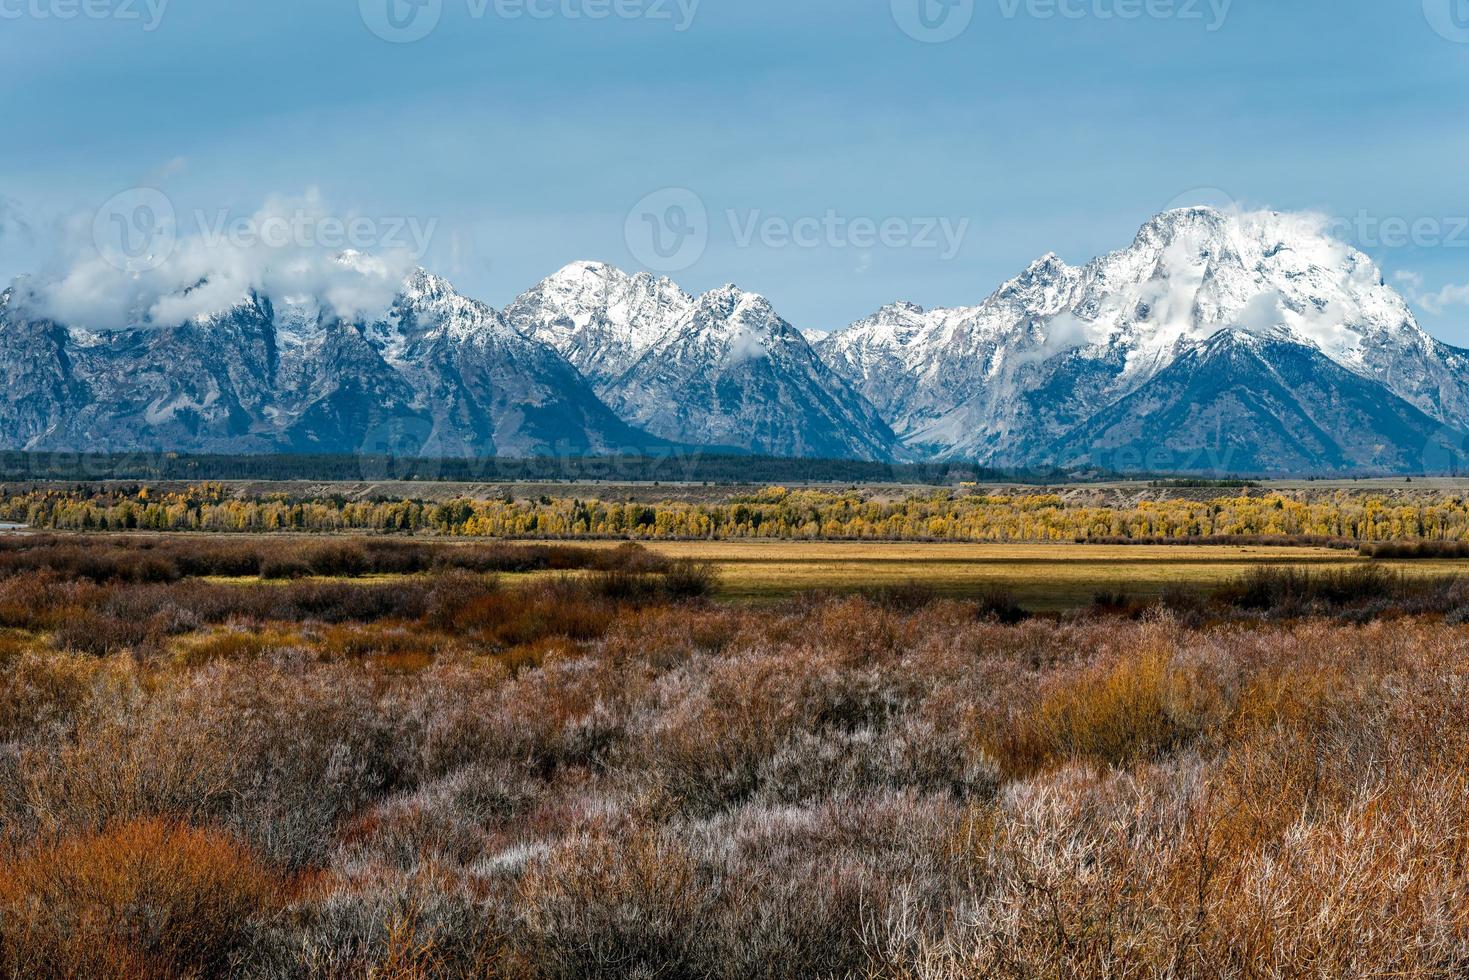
[1041, 577]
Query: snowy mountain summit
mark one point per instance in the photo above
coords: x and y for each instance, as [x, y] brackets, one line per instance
[722, 370]
[599, 318]
[1215, 342]
[1005, 381]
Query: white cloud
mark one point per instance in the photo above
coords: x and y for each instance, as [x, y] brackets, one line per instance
[1264, 314]
[1445, 297]
[1267, 313]
[1062, 333]
[1434, 301]
[748, 344]
[292, 246]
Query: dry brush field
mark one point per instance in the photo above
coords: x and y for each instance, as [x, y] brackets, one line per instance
[398, 758]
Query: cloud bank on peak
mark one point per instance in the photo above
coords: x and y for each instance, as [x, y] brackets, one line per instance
[292, 247]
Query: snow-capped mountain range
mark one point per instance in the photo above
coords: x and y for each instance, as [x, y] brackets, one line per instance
[1006, 380]
[722, 370]
[1221, 342]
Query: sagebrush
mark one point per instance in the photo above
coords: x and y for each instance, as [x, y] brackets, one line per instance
[609, 775]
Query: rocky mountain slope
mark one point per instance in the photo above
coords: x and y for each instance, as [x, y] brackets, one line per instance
[438, 375]
[731, 372]
[1004, 381]
[1242, 403]
[599, 318]
[1215, 342]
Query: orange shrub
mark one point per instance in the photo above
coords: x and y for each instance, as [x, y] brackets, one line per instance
[1132, 710]
[513, 618]
[142, 899]
[399, 641]
[231, 645]
[12, 645]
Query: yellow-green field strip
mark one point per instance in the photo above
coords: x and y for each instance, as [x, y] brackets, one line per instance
[1040, 576]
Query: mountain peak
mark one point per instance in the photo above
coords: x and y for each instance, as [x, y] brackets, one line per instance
[892, 325]
[1040, 286]
[586, 269]
[1168, 226]
[1056, 343]
[732, 372]
[598, 317]
[732, 309]
[422, 284]
[428, 305]
[589, 274]
[357, 261]
[729, 303]
[1050, 262]
[732, 296]
[1048, 268]
[1192, 212]
[1228, 339]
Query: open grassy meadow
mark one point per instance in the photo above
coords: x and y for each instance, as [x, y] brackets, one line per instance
[1041, 577]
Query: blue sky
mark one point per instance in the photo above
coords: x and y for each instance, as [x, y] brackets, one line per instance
[527, 141]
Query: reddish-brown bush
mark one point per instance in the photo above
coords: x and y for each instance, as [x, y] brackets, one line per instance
[142, 899]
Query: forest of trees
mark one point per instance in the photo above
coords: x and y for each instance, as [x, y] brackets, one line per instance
[940, 515]
[685, 466]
